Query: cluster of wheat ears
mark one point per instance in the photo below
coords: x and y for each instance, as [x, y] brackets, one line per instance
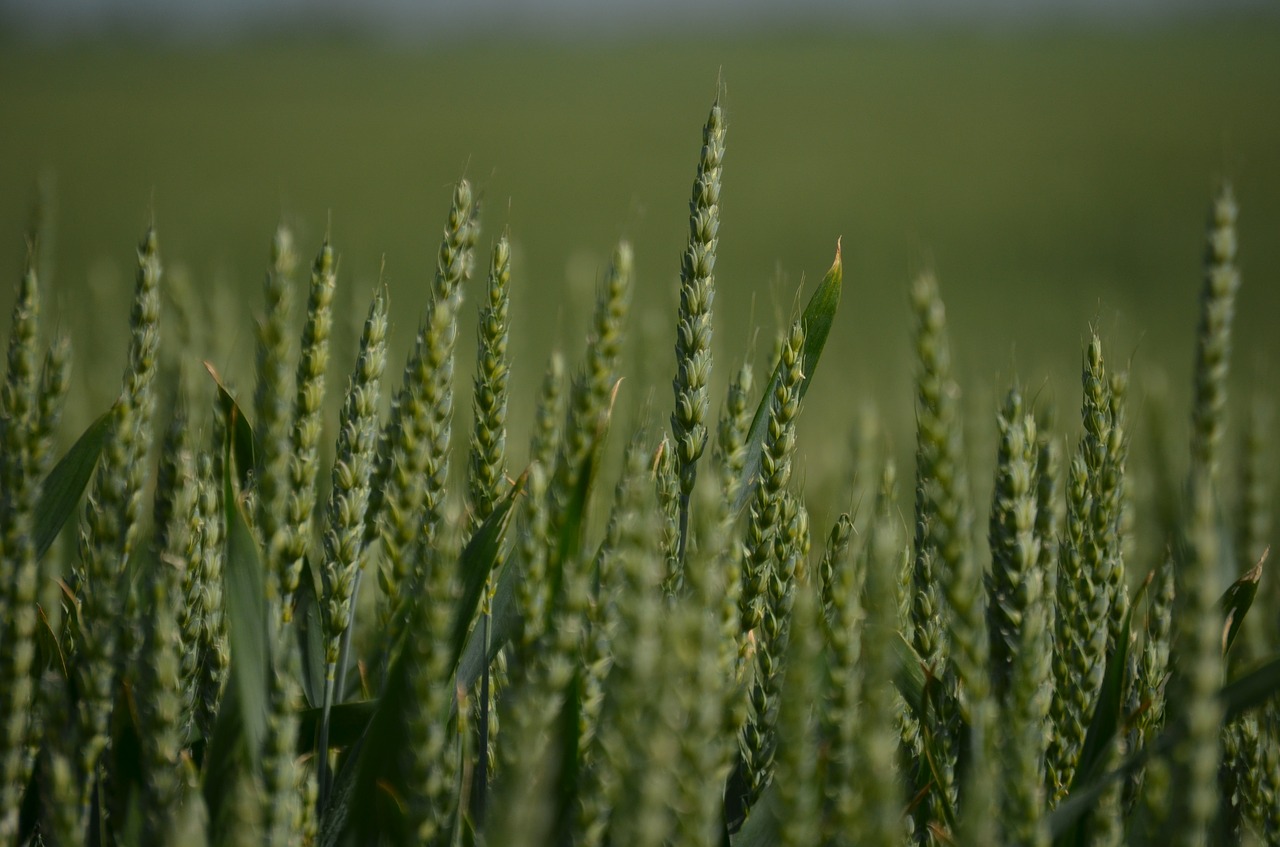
[694, 673]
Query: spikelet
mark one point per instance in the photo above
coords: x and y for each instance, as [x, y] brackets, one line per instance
[693, 323]
[486, 478]
[731, 433]
[1020, 645]
[349, 494]
[594, 383]
[1090, 576]
[776, 538]
[159, 694]
[1197, 656]
[629, 537]
[706, 657]
[840, 579]
[486, 469]
[640, 751]
[19, 411]
[667, 482]
[109, 528]
[407, 497]
[797, 777]
[775, 472]
[313, 363]
[1213, 341]
[273, 412]
[876, 748]
[54, 381]
[281, 809]
[531, 543]
[1014, 544]
[201, 617]
[941, 550]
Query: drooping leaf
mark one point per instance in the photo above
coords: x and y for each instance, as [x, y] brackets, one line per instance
[373, 773]
[347, 723]
[505, 621]
[476, 564]
[910, 679]
[569, 769]
[243, 444]
[62, 488]
[503, 627]
[48, 647]
[760, 829]
[246, 609]
[309, 628]
[241, 725]
[1252, 690]
[1236, 601]
[817, 319]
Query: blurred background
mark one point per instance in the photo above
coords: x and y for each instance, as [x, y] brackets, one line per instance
[1052, 161]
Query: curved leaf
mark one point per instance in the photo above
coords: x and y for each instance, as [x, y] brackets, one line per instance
[1256, 688]
[372, 772]
[505, 619]
[817, 319]
[243, 444]
[309, 628]
[475, 565]
[347, 723]
[60, 493]
[1236, 601]
[241, 726]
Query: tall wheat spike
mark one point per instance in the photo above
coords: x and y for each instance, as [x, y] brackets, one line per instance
[313, 363]
[942, 516]
[109, 528]
[769, 582]
[413, 450]
[693, 323]
[1213, 341]
[18, 574]
[273, 411]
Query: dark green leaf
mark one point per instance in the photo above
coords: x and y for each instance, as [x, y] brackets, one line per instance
[569, 768]
[573, 517]
[246, 606]
[1236, 601]
[910, 679]
[504, 624]
[475, 565]
[226, 754]
[506, 614]
[347, 722]
[60, 493]
[242, 715]
[309, 628]
[243, 447]
[817, 318]
[1256, 688]
[366, 783]
[760, 829]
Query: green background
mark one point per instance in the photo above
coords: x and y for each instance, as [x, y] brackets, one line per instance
[1053, 179]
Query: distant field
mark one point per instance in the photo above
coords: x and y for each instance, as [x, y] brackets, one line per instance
[1051, 179]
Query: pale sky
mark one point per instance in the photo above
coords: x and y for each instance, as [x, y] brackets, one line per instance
[419, 19]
